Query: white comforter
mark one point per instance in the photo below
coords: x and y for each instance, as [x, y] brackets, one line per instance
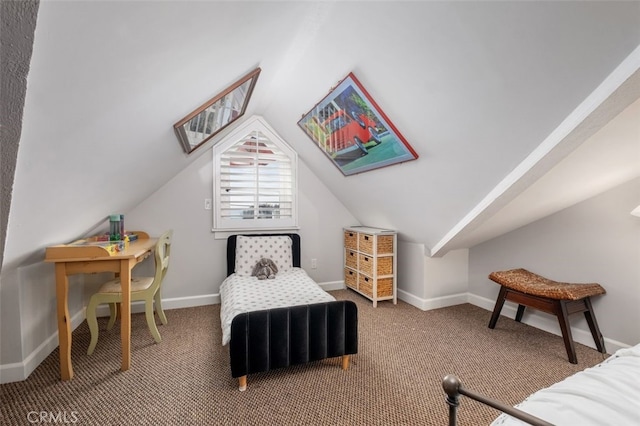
[240, 294]
[606, 394]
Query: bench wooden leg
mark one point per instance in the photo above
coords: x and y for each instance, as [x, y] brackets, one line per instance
[590, 316]
[563, 318]
[498, 307]
[520, 313]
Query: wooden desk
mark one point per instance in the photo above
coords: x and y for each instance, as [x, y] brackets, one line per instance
[75, 258]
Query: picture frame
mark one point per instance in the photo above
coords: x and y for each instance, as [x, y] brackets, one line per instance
[353, 131]
[216, 114]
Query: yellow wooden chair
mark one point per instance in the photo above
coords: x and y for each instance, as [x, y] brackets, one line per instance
[142, 288]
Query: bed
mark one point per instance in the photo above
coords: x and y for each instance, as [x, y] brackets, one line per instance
[288, 320]
[606, 394]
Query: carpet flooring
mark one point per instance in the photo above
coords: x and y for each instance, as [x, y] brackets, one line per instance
[395, 379]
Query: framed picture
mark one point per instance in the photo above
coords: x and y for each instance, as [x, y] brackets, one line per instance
[216, 114]
[350, 128]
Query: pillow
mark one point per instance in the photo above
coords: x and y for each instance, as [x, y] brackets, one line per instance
[249, 250]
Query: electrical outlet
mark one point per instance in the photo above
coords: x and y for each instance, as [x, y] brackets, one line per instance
[207, 203]
[314, 263]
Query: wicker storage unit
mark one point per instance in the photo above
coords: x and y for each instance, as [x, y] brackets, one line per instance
[370, 262]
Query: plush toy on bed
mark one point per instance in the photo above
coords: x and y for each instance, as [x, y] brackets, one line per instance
[265, 269]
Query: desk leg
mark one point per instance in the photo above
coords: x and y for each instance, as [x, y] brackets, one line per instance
[64, 322]
[125, 313]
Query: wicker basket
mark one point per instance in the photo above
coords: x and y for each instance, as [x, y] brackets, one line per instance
[385, 265]
[365, 285]
[385, 286]
[351, 259]
[385, 244]
[365, 243]
[366, 264]
[351, 240]
[350, 278]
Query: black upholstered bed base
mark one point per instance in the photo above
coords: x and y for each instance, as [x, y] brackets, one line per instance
[274, 338]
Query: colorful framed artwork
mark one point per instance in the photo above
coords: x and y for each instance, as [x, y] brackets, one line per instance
[351, 129]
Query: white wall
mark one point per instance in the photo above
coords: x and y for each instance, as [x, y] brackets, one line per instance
[431, 282]
[411, 280]
[596, 240]
[447, 276]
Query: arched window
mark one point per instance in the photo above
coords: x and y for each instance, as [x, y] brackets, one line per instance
[255, 180]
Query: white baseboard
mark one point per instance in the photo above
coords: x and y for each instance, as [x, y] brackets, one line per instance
[435, 303]
[169, 304]
[21, 370]
[540, 320]
[332, 285]
[18, 371]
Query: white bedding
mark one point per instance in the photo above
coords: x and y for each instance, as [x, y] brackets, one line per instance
[240, 294]
[606, 394]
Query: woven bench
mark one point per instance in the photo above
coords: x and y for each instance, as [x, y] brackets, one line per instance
[560, 299]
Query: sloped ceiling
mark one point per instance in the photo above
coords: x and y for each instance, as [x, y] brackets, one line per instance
[607, 159]
[474, 87]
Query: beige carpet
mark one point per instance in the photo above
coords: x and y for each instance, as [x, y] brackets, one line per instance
[395, 379]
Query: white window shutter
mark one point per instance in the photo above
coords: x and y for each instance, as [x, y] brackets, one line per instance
[255, 179]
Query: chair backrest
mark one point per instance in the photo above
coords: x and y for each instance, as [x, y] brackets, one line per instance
[162, 252]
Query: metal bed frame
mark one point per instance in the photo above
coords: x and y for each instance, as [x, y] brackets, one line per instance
[453, 388]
